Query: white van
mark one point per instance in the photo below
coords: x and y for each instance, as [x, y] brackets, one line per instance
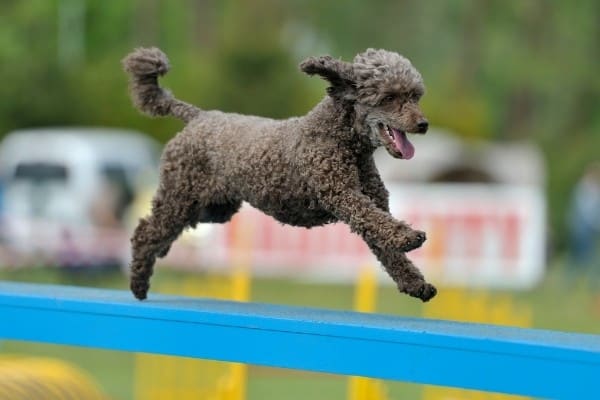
[67, 192]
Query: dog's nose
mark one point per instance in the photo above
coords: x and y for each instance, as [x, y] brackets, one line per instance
[422, 126]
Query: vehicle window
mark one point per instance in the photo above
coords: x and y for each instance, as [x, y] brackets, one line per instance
[119, 183]
[40, 172]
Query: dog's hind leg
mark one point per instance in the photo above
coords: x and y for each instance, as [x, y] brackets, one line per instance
[214, 213]
[154, 235]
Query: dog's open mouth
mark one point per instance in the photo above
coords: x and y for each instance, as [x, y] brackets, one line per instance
[397, 142]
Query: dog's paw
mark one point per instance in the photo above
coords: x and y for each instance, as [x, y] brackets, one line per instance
[139, 288]
[412, 239]
[425, 292]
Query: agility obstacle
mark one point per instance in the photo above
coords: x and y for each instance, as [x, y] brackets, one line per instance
[492, 358]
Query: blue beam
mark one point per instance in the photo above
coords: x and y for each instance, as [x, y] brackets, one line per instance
[492, 358]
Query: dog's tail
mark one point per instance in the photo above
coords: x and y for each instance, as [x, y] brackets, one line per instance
[144, 66]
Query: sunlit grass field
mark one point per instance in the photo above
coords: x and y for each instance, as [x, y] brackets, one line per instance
[565, 301]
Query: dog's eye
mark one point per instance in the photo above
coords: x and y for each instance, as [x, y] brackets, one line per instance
[414, 96]
[388, 99]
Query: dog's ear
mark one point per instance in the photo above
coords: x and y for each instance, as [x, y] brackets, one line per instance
[339, 73]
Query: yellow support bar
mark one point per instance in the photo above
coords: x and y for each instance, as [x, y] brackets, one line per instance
[365, 300]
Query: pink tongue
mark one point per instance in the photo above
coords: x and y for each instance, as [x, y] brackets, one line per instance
[403, 145]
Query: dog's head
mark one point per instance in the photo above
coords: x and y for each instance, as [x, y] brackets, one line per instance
[384, 89]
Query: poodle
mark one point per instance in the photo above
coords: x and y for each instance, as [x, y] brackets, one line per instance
[304, 171]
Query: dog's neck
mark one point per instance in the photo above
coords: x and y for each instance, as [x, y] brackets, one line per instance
[336, 120]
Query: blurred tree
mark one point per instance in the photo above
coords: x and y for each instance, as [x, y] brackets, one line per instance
[257, 73]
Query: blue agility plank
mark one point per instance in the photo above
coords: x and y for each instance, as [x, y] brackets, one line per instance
[492, 358]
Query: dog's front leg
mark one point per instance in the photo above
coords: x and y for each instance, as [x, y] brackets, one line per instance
[376, 226]
[387, 237]
[407, 277]
[337, 185]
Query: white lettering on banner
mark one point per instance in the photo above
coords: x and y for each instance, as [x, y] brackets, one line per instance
[479, 235]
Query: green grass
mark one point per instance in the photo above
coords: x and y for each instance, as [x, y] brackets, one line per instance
[562, 302]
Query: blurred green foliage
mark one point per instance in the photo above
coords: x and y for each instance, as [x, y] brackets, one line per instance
[496, 70]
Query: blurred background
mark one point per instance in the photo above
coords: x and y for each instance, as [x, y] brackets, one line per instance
[506, 183]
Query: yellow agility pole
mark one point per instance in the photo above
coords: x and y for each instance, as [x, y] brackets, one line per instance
[365, 300]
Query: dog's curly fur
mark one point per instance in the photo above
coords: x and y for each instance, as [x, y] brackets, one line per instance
[306, 171]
